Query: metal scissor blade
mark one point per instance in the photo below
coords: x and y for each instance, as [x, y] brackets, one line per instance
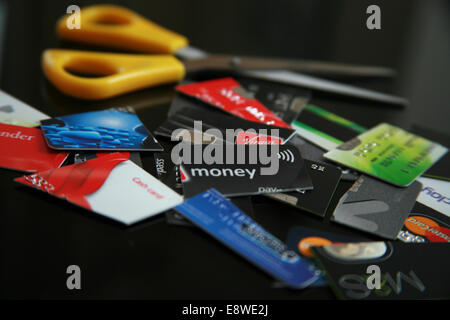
[299, 65]
[198, 60]
[314, 83]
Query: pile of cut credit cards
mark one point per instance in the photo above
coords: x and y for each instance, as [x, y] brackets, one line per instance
[227, 140]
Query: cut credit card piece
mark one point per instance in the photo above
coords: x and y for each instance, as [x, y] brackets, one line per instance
[325, 178]
[323, 128]
[227, 95]
[186, 110]
[282, 170]
[24, 149]
[212, 212]
[112, 186]
[425, 225]
[388, 153]
[16, 112]
[111, 129]
[376, 207]
[406, 270]
[301, 239]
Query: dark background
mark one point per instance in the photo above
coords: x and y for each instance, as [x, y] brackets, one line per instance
[41, 236]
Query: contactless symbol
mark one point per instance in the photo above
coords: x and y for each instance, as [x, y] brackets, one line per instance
[286, 155]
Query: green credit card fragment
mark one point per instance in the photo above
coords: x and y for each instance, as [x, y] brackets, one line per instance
[388, 153]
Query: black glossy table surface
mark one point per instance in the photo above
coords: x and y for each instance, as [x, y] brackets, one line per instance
[42, 235]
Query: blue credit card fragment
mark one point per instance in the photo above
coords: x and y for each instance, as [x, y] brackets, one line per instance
[212, 212]
[110, 129]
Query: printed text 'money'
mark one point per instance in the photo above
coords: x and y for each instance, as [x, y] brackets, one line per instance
[224, 172]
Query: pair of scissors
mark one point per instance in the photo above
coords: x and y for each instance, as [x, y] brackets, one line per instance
[120, 28]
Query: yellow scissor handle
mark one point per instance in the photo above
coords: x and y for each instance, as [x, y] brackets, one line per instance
[119, 27]
[119, 73]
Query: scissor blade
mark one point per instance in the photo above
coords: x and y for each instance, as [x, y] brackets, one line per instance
[196, 59]
[325, 85]
[305, 66]
[314, 67]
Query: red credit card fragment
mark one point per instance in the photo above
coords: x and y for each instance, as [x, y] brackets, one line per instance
[111, 185]
[226, 94]
[25, 149]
